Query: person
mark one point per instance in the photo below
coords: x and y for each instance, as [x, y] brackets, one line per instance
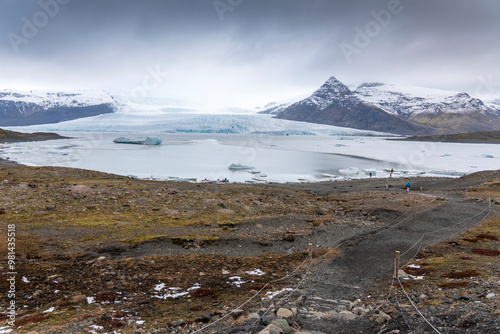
[370, 175]
[408, 184]
[392, 171]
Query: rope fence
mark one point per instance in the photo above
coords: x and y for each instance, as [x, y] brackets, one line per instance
[421, 240]
[402, 219]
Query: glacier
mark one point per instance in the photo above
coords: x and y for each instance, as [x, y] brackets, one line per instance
[170, 120]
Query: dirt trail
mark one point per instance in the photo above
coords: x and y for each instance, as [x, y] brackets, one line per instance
[367, 259]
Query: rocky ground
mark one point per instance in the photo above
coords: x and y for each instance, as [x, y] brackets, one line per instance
[103, 253]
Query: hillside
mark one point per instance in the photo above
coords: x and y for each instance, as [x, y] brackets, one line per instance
[119, 254]
[7, 136]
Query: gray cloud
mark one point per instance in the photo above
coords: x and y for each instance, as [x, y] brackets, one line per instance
[261, 50]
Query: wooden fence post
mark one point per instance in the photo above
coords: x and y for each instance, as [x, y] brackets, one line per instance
[397, 275]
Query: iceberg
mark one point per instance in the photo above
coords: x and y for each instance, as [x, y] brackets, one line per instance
[238, 166]
[349, 171]
[138, 141]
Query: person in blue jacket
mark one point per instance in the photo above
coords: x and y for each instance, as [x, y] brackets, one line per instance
[408, 184]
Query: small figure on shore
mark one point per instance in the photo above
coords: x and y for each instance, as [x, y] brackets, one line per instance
[387, 187]
[392, 171]
[408, 184]
[370, 175]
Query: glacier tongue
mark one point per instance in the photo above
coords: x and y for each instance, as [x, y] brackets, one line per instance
[176, 122]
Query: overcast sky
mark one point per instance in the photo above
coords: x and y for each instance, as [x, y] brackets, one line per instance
[247, 52]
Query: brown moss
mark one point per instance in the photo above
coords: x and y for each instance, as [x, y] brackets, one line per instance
[461, 274]
[452, 285]
[487, 252]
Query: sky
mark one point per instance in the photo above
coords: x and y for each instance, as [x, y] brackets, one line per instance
[246, 53]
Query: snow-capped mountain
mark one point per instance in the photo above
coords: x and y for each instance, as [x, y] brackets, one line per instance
[374, 106]
[494, 104]
[40, 107]
[412, 100]
[275, 108]
[335, 104]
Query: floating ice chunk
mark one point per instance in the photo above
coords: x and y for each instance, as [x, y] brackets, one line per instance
[159, 287]
[138, 141]
[446, 155]
[349, 171]
[50, 310]
[370, 171]
[90, 300]
[487, 156]
[238, 166]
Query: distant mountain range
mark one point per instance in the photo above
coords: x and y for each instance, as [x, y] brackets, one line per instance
[398, 109]
[41, 107]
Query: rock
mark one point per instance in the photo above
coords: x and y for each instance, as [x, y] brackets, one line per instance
[101, 258]
[283, 324]
[106, 317]
[237, 313]
[490, 295]
[317, 222]
[347, 315]
[105, 296]
[225, 272]
[254, 315]
[361, 311]
[465, 297]
[267, 319]
[284, 313]
[51, 208]
[37, 293]
[78, 299]
[178, 323]
[402, 274]
[289, 237]
[382, 317]
[205, 318]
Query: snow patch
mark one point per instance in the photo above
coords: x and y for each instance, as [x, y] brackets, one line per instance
[256, 272]
[272, 294]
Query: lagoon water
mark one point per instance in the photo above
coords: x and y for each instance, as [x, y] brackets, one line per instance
[200, 156]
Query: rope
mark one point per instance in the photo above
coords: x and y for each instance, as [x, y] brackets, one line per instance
[415, 307]
[404, 317]
[258, 292]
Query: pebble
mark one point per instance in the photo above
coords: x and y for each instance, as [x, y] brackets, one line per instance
[283, 324]
[284, 313]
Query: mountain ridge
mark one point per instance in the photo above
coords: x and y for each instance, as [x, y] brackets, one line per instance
[18, 108]
[393, 108]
